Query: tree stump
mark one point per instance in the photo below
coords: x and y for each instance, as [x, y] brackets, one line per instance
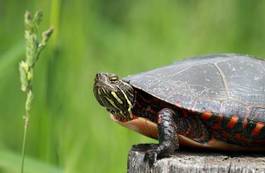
[196, 162]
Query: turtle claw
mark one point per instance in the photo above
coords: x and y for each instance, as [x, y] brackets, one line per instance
[151, 157]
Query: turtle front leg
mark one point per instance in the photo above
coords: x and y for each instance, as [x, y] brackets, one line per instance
[168, 140]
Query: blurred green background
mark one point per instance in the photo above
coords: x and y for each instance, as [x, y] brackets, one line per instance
[69, 132]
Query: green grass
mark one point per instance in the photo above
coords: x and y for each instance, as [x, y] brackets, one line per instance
[69, 131]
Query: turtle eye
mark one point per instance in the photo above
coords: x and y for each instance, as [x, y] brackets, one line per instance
[113, 78]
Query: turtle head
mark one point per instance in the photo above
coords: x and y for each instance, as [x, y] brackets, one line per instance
[115, 95]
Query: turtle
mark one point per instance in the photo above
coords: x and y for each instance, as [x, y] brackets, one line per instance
[214, 102]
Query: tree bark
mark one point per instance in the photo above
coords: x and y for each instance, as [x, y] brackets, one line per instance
[196, 162]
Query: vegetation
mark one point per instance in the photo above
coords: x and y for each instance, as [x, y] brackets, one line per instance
[72, 133]
[34, 46]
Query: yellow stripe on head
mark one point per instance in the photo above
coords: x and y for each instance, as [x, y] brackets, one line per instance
[116, 97]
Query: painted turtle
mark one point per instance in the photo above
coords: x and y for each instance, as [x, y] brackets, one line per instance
[215, 101]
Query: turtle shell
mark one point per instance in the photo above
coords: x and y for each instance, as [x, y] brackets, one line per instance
[229, 84]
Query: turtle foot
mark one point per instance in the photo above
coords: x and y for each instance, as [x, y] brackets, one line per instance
[153, 154]
[151, 157]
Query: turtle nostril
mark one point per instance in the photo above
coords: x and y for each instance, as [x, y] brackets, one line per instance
[101, 77]
[98, 76]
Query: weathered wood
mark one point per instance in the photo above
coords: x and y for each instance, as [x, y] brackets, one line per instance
[196, 162]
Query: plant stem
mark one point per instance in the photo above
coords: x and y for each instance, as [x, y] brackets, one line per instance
[34, 46]
[26, 121]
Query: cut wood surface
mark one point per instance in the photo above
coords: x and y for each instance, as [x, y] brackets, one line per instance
[187, 161]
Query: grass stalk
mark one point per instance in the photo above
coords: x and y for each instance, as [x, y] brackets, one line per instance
[55, 19]
[34, 45]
